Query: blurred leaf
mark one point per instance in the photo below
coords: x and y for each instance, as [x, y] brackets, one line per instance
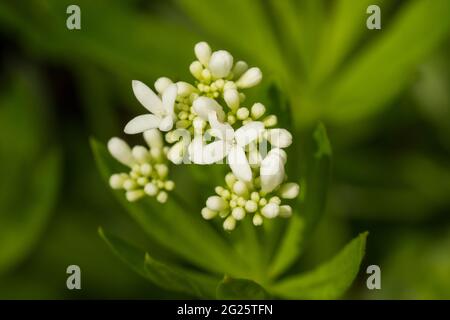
[314, 192]
[166, 276]
[386, 65]
[240, 289]
[21, 227]
[226, 19]
[171, 227]
[328, 281]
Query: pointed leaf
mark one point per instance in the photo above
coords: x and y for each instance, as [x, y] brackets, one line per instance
[240, 289]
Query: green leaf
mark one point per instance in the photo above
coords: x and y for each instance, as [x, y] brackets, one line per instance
[22, 224]
[171, 226]
[328, 281]
[240, 289]
[387, 65]
[169, 277]
[312, 204]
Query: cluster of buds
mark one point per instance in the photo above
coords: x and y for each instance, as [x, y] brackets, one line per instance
[238, 199]
[191, 116]
[148, 173]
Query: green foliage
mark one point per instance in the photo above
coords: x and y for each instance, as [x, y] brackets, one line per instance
[233, 289]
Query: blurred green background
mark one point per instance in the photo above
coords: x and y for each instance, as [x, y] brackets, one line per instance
[383, 95]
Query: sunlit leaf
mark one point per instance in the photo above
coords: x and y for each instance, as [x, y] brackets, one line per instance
[328, 281]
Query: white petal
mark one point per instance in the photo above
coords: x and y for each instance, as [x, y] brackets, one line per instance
[168, 99]
[239, 164]
[142, 123]
[121, 151]
[220, 64]
[271, 172]
[203, 52]
[250, 78]
[162, 83]
[176, 152]
[280, 138]
[248, 133]
[216, 203]
[201, 153]
[147, 97]
[203, 106]
[166, 123]
[220, 130]
[153, 138]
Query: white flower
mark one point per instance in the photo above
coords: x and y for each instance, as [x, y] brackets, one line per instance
[279, 138]
[230, 144]
[272, 170]
[120, 150]
[161, 110]
[203, 52]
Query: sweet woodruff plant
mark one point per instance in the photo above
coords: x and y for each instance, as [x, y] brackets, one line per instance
[188, 126]
[206, 123]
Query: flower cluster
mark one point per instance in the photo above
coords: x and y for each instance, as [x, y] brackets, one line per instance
[205, 123]
[148, 173]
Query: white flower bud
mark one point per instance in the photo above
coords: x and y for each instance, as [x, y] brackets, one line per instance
[258, 110]
[202, 52]
[134, 195]
[169, 185]
[242, 113]
[289, 190]
[162, 197]
[257, 220]
[239, 68]
[203, 106]
[162, 83]
[229, 224]
[184, 89]
[238, 213]
[145, 169]
[279, 138]
[216, 203]
[151, 189]
[140, 153]
[220, 64]
[129, 184]
[270, 121]
[142, 181]
[208, 214]
[176, 153]
[120, 150]
[156, 154]
[251, 206]
[231, 97]
[196, 69]
[240, 188]
[250, 78]
[285, 211]
[153, 138]
[116, 181]
[230, 179]
[272, 170]
[270, 210]
[162, 170]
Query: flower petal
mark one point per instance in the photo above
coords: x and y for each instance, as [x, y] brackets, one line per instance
[142, 123]
[280, 138]
[272, 171]
[166, 123]
[203, 106]
[201, 153]
[168, 98]
[239, 164]
[147, 97]
[248, 133]
[220, 130]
